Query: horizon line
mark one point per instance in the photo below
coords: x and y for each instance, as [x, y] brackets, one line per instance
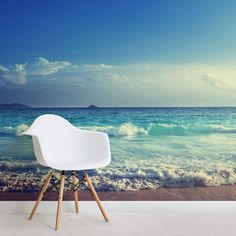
[92, 106]
[102, 107]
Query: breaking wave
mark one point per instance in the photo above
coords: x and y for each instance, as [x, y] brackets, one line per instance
[21, 128]
[152, 129]
[9, 130]
[131, 130]
[126, 129]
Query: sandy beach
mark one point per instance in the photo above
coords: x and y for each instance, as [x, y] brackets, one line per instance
[221, 193]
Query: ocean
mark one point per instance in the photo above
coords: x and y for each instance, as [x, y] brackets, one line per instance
[151, 147]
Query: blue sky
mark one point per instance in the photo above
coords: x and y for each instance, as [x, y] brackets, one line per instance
[118, 53]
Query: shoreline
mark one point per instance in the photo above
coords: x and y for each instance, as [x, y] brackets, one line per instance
[220, 193]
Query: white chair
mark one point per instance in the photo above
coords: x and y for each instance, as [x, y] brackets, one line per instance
[61, 146]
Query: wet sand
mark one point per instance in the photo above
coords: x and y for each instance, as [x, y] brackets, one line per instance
[221, 193]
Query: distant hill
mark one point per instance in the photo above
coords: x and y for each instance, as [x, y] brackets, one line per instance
[13, 105]
[92, 107]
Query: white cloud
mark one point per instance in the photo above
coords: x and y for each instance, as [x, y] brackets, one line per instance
[3, 69]
[173, 80]
[184, 77]
[15, 75]
[217, 83]
[142, 84]
[118, 77]
[97, 66]
[43, 67]
[42, 70]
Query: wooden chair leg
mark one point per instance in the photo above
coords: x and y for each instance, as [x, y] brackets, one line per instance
[40, 197]
[96, 196]
[75, 181]
[60, 198]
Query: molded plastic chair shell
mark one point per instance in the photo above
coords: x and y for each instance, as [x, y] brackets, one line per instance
[60, 145]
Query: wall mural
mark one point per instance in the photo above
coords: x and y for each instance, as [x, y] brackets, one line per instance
[157, 76]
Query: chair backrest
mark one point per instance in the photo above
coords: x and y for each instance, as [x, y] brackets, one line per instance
[49, 129]
[49, 124]
[56, 142]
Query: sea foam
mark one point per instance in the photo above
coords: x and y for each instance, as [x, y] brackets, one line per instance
[9, 130]
[136, 175]
[164, 129]
[125, 129]
[131, 130]
[154, 174]
[21, 128]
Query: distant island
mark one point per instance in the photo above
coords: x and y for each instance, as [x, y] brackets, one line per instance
[22, 106]
[12, 106]
[92, 107]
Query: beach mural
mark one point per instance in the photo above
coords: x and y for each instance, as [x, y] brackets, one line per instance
[157, 76]
[151, 147]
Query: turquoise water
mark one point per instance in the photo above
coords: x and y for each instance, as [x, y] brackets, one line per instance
[151, 147]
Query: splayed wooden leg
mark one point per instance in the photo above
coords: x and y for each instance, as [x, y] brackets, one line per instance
[95, 196]
[40, 197]
[60, 198]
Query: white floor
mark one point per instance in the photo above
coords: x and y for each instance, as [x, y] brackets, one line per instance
[126, 218]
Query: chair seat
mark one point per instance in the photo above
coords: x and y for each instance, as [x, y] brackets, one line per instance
[86, 165]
